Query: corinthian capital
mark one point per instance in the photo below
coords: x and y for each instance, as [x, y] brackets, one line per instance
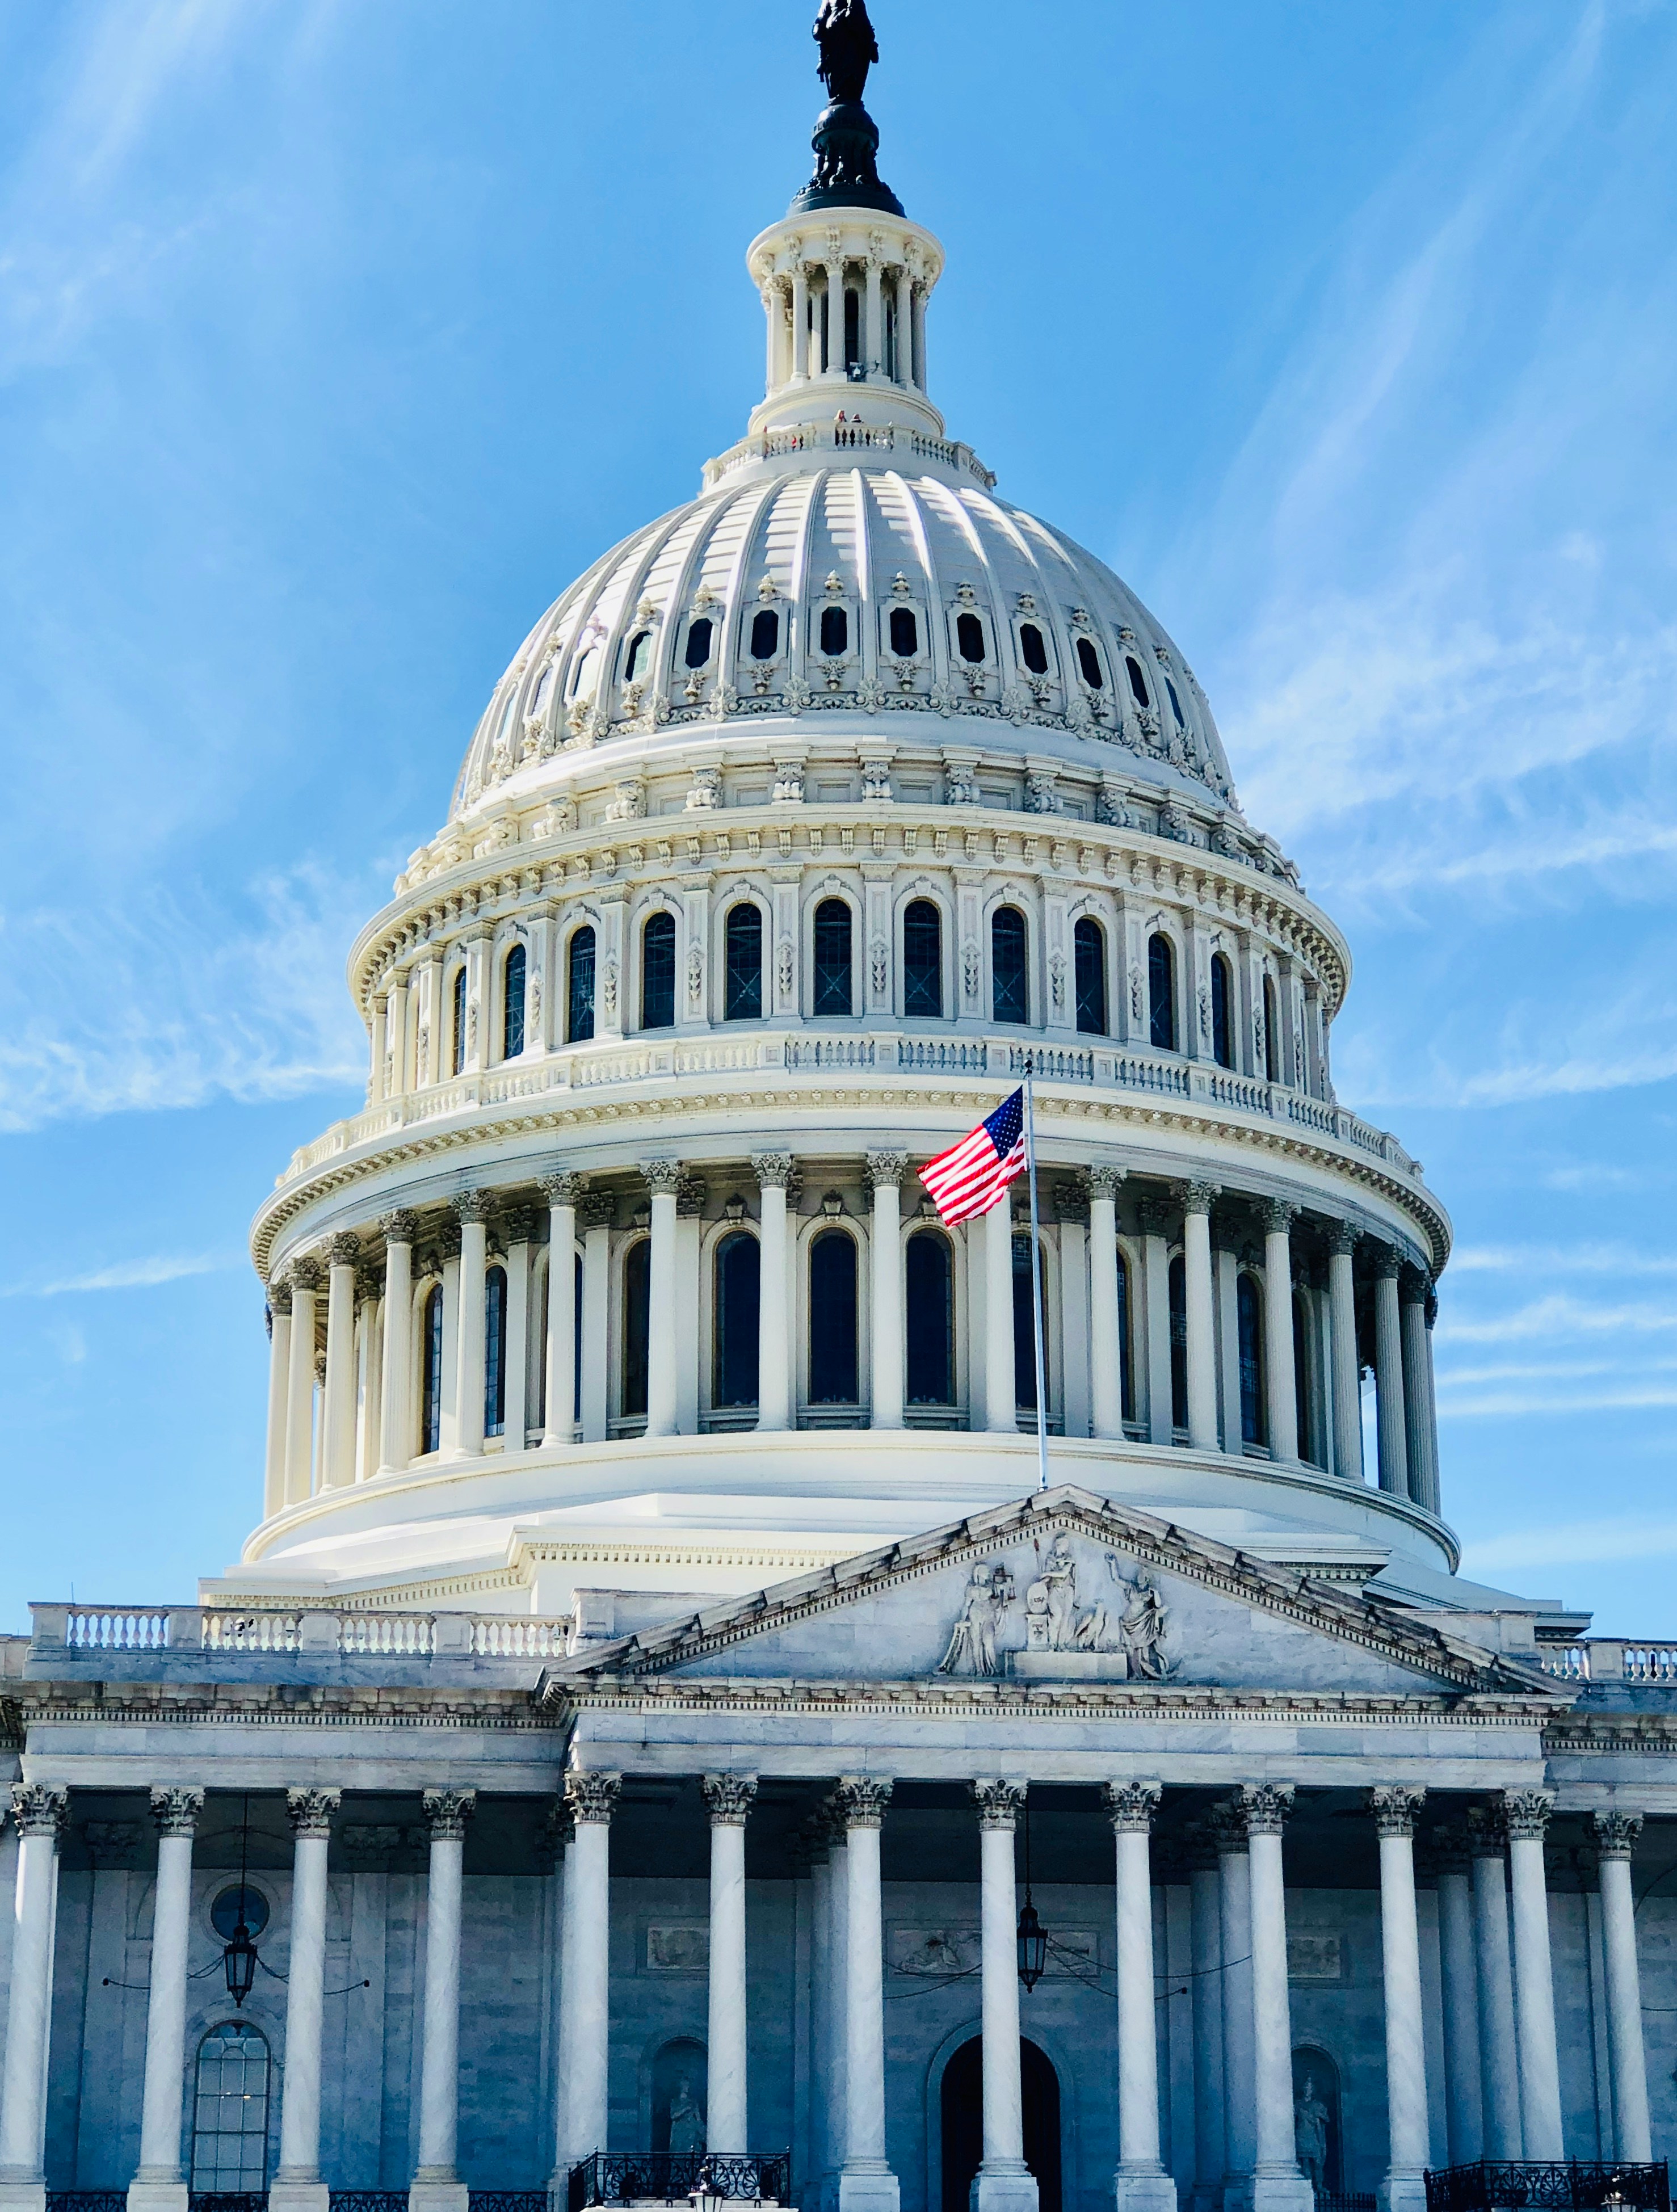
[592, 1796]
[1526, 1814]
[1131, 1806]
[1266, 1805]
[564, 1188]
[400, 1227]
[1616, 1833]
[662, 1176]
[729, 1798]
[471, 1205]
[772, 1168]
[40, 1808]
[885, 1170]
[1106, 1181]
[999, 1802]
[862, 1799]
[1394, 1806]
[1277, 1215]
[310, 1811]
[446, 1811]
[1198, 1197]
[176, 1811]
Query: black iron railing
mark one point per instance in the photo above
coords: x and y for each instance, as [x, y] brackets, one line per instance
[505, 2200]
[227, 2200]
[87, 2200]
[367, 2200]
[1345, 2200]
[667, 2177]
[1571, 2184]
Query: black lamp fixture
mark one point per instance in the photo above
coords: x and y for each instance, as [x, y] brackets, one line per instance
[239, 1956]
[1033, 1937]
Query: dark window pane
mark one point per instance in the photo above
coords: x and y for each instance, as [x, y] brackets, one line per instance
[580, 1010]
[459, 1042]
[1222, 1047]
[834, 630]
[511, 1005]
[905, 631]
[833, 1320]
[1272, 1033]
[430, 1401]
[1125, 1371]
[637, 1307]
[1161, 994]
[1089, 945]
[1137, 681]
[1024, 1345]
[931, 1331]
[1178, 1345]
[1176, 703]
[1089, 662]
[969, 636]
[1035, 653]
[698, 642]
[922, 960]
[576, 1371]
[743, 984]
[737, 1289]
[765, 634]
[1301, 1375]
[832, 957]
[657, 972]
[494, 1355]
[852, 328]
[1250, 1316]
[634, 667]
[1009, 996]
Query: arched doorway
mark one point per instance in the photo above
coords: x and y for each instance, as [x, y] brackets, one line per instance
[963, 2119]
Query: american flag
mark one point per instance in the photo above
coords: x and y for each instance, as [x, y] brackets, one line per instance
[972, 1176]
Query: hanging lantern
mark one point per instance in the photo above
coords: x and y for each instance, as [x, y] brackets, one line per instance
[1033, 1941]
[239, 1960]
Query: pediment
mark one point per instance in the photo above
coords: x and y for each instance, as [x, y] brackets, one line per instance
[1064, 1588]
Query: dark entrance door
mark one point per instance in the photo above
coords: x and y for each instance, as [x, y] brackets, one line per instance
[963, 2119]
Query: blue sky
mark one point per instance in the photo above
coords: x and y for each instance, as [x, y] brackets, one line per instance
[335, 338]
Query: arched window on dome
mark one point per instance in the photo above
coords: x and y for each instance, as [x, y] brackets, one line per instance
[637, 1318]
[1272, 1031]
[738, 1296]
[1033, 651]
[636, 659]
[430, 1371]
[834, 961]
[1138, 681]
[1088, 956]
[494, 1353]
[834, 1379]
[580, 993]
[230, 2087]
[1010, 995]
[1178, 1289]
[969, 636]
[742, 993]
[905, 633]
[584, 672]
[657, 971]
[457, 1042]
[512, 1003]
[698, 641]
[922, 961]
[765, 634]
[930, 1285]
[1161, 993]
[538, 698]
[1089, 662]
[1250, 1326]
[835, 631]
[1222, 1009]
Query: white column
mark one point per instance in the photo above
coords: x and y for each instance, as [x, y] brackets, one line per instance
[1347, 1368]
[595, 1214]
[561, 1192]
[1225, 1266]
[885, 1172]
[437, 2186]
[564, 1832]
[1281, 1387]
[690, 1245]
[833, 358]
[1004, 2182]
[774, 1172]
[905, 327]
[1156, 1284]
[1198, 1199]
[279, 1387]
[372, 1381]
[800, 325]
[866, 2184]
[472, 1209]
[838, 2016]
[396, 1040]
[771, 316]
[1075, 1401]
[728, 1798]
[159, 2184]
[377, 1075]
[299, 1386]
[1526, 1816]
[917, 320]
[40, 1810]
[874, 319]
[1000, 1397]
[1459, 1980]
[1277, 2184]
[1416, 1362]
[338, 1407]
[1106, 1347]
[1205, 1944]
[1499, 2073]
[1616, 1835]
[1393, 1807]
[1394, 1449]
[396, 1417]
[1436, 1501]
[662, 1177]
[298, 2186]
[1228, 1825]
[1141, 2180]
[823, 2088]
[584, 2023]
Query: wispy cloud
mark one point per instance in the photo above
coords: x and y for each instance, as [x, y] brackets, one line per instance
[125, 1275]
[1559, 1316]
[1560, 1259]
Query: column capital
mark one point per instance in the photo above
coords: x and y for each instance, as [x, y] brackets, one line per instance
[400, 1227]
[1195, 1847]
[594, 1210]
[592, 1796]
[40, 1808]
[515, 1224]
[176, 1811]
[1447, 1849]
[305, 1273]
[772, 1169]
[564, 1188]
[690, 1196]
[1197, 1197]
[1486, 1832]
[472, 1205]
[1226, 1826]
[344, 1249]
[663, 1176]
[999, 1801]
[1265, 1806]
[729, 1798]
[310, 1811]
[110, 1843]
[1387, 1262]
[1394, 1806]
[1616, 1833]
[446, 1811]
[553, 1838]
[886, 1170]
[1106, 1181]
[279, 1296]
[1277, 1215]
[1526, 1814]
[862, 1799]
[1154, 1216]
[1340, 1238]
[1414, 1286]
[1132, 1806]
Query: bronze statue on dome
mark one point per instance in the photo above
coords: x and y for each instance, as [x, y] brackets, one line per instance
[848, 47]
[846, 139]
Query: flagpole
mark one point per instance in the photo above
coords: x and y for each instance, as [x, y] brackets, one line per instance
[1036, 1284]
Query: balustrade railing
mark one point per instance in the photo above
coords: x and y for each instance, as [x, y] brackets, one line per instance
[1572, 2184]
[1609, 1659]
[116, 1628]
[98, 1630]
[667, 2177]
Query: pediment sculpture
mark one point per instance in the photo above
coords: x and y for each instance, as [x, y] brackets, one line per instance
[1117, 1633]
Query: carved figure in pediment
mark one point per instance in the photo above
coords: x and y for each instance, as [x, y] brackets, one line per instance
[1144, 1623]
[1053, 1622]
[972, 1641]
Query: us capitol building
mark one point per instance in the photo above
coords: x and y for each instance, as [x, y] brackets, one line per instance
[657, 1713]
